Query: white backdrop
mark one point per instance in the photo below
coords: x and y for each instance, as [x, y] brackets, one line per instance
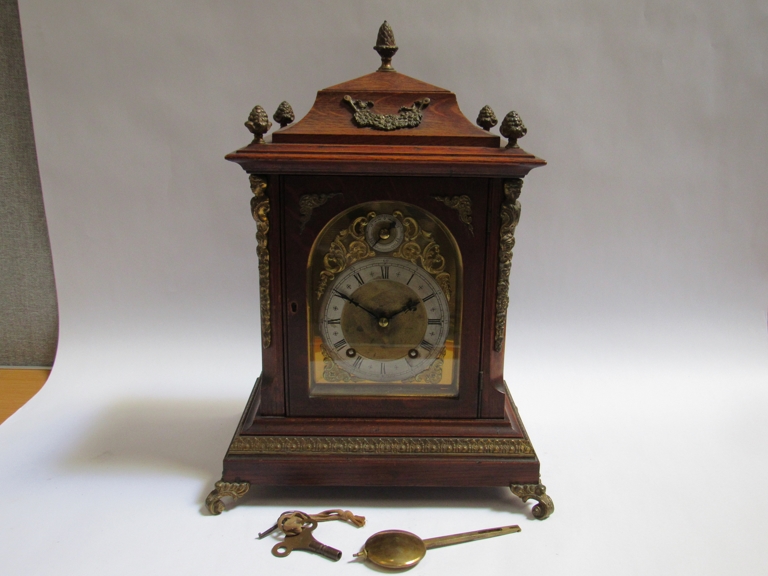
[637, 347]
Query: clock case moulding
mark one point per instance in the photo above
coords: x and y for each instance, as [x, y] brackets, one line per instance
[413, 143]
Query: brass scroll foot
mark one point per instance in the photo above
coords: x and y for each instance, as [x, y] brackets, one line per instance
[537, 492]
[233, 489]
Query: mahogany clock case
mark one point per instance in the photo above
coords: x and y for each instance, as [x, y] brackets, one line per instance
[417, 150]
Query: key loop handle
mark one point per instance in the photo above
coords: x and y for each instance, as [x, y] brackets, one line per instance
[282, 549]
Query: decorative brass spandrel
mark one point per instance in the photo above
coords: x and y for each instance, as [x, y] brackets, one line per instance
[332, 372]
[510, 216]
[504, 447]
[260, 209]
[463, 205]
[307, 204]
[234, 490]
[348, 247]
[407, 117]
[433, 374]
[537, 492]
[420, 248]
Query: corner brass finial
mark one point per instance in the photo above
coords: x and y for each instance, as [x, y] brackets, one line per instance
[386, 47]
[258, 124]
[486, 119]
[513, 128]
[284, 114]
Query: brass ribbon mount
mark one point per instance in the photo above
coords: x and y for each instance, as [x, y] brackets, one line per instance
[407, 117]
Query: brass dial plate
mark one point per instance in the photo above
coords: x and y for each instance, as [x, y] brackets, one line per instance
[384, 286]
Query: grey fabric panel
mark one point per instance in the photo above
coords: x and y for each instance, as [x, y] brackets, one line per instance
[28, 310]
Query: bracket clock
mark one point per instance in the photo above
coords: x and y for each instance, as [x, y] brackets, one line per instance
[385, 227]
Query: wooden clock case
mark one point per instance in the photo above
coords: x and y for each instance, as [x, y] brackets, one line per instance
[306, 175]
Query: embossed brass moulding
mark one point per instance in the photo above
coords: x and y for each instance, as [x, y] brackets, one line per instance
[507, 447]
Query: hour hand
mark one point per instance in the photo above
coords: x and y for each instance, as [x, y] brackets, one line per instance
[353, 302]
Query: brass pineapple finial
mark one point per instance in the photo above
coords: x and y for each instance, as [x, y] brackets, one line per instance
[486, 119]
[258, 124]
[513, 128]
[284, 114]
[386, 47]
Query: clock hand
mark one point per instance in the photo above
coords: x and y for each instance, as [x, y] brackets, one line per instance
[348, 299]
[409, 306]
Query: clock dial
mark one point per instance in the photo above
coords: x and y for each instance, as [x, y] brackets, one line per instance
[384, 319]
[384, 313]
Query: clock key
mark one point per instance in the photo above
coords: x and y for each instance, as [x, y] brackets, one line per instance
[304, 540]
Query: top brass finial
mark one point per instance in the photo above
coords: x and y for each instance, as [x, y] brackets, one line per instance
[386, 47]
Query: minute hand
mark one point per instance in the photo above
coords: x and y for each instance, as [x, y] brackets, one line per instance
[410, 305]
[348, 299]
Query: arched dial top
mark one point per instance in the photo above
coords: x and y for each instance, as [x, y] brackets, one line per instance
[384, 319]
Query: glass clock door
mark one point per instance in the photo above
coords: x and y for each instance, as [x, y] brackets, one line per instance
[384, 308]
[377, 320]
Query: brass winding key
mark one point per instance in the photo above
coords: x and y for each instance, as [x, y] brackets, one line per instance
[305, 541]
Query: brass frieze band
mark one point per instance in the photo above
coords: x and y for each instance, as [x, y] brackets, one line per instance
[285, 445]
[260, 210]
[463, 205]
[510, 216]
[308, 202]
